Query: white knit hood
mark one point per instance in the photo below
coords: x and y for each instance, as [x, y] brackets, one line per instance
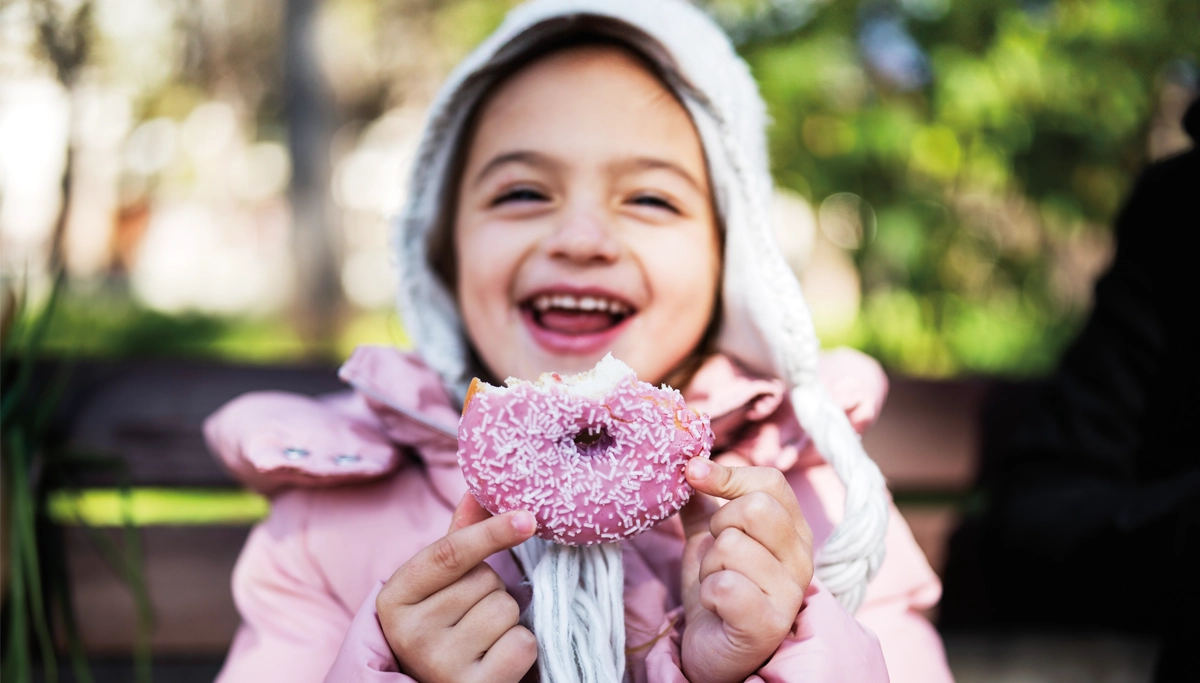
[766, 324]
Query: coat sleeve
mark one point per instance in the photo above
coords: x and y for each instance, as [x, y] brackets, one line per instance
[826, 644]
[365, 654]
[272, 440]
[856, 382]
[292, 624]
[897, 600]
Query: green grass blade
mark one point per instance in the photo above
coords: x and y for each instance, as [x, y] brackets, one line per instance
[16, 665]
[25, 529]
[25, 372]
[60, 590]
[142, 656]
[18, 321]
[127, 565]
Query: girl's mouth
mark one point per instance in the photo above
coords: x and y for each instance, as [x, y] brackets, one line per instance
[575, 323]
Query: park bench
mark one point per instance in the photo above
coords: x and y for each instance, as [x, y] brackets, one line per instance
[150, 412]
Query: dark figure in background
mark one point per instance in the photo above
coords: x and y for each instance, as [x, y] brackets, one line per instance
[1092, 478]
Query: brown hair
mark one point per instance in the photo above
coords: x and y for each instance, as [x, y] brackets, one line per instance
[542, 40]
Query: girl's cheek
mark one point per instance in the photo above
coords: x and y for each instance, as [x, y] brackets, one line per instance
[489, 259]
[684, 260]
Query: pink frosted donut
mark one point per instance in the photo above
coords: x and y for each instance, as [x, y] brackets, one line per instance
[596, 457]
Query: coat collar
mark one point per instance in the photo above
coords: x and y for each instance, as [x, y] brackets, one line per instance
[417, 411]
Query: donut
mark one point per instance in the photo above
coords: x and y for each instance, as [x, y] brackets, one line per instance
[596, 457]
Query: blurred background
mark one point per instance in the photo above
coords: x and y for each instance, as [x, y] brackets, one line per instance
[216, 176]
[194, 202]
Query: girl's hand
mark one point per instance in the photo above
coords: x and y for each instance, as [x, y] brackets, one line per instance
[447, 615]
[746, 567]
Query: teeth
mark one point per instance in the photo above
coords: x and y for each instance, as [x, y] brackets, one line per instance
[569, 302]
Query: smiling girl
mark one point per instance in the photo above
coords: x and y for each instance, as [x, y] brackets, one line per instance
[592, 179]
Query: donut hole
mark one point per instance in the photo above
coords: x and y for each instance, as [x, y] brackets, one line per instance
[592, 441]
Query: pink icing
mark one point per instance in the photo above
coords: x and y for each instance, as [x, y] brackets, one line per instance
[518, 450]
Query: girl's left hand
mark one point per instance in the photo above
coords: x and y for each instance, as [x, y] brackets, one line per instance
[746, 567]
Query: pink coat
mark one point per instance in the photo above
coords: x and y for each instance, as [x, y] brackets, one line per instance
[306, 581]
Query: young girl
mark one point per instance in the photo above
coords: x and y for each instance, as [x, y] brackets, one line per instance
[593, 179]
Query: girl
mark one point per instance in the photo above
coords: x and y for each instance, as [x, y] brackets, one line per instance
[593, 178]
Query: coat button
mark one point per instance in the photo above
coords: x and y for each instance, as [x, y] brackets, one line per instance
[295, 453]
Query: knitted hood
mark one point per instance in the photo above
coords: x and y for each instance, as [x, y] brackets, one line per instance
[766, 324]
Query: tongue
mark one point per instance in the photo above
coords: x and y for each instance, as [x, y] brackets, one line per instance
[575, 322]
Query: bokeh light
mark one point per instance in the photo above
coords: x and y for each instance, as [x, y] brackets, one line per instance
[947, 172]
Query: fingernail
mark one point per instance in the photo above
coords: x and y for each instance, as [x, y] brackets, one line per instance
[699, 468]
[523, 522]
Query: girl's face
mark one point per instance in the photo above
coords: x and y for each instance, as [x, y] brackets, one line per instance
[584, 221]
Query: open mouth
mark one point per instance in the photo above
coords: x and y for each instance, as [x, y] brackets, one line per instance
[575, 323]
[576, 315]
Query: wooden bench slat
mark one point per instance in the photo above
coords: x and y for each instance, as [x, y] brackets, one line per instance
[151, 413]
[187, 572]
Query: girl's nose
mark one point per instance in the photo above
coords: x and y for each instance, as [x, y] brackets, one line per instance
[584, 237]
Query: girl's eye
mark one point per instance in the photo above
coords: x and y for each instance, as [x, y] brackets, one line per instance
[520, 194]
[655, 201]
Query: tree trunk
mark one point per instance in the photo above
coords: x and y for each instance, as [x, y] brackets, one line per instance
[310, 123]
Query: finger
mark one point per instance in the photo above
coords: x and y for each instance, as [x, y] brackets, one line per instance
[696, 517]
[729, 483]
[487, 620]
[467, 512]
[446, 560]
[451, 604]
[693, 553]
[510, 657]
[697, 514]
[747, 611]
[733, 550]
[764, 519]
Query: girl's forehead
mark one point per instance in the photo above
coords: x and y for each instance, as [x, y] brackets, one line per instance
[586, 100]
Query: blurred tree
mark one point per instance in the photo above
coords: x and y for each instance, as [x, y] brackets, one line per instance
[64, 38]
[308, 107]
[994, 141]
[983, 145]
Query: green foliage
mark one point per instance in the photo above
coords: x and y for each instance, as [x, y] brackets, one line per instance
[990, 177]
[110, 324]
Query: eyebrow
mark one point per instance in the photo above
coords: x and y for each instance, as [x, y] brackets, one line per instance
[539, 160]
[527, 157]
[654, 163]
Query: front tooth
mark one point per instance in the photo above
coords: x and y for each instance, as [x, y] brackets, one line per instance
[603, 305]
[569, 301]
[588, 303]
[542, 303]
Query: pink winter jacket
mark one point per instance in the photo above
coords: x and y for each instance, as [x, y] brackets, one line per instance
[306, 581]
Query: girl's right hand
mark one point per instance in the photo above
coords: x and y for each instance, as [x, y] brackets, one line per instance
[447, 615]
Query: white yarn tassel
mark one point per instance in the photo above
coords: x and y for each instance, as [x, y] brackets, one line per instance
[854, 551]
[578, 610]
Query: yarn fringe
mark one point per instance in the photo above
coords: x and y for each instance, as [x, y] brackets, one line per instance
[578, 610]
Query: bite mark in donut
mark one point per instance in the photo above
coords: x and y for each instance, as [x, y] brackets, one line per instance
[596, 457]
